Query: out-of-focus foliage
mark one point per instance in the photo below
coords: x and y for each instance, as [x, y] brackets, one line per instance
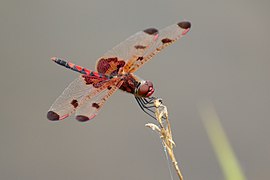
[224, 152]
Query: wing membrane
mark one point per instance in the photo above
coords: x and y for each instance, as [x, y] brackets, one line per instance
[76, 94]
[132, 48]
[91, 108]
[167, 36]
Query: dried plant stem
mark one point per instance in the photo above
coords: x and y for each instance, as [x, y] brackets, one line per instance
[175, 164]
[164, 130]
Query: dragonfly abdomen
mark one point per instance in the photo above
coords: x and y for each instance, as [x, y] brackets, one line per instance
[77, 68]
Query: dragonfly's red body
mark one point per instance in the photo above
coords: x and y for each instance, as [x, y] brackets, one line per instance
[88, 93]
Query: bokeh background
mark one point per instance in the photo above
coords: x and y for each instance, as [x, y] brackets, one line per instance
[223, 59]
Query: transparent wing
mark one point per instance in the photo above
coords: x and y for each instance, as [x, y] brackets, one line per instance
[166, 37]
[91, 108]
[132, 48]
[75, 94]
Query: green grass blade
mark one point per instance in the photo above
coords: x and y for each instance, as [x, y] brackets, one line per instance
[224, 152]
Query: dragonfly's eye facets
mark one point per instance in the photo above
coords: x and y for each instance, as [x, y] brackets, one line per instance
[143, 89]
[150, 84]
[146, 89]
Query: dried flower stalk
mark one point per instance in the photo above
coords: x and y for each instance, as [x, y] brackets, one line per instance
[164, 130]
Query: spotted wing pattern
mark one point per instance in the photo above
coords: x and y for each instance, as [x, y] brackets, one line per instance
[88, 93]
[69, 100]
[76, 94]
[130, 50]
[91, 108]
[167, 36]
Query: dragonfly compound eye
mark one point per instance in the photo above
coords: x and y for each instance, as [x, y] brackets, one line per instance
[146, 89]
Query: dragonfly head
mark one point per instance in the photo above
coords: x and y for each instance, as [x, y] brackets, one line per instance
[145, 89]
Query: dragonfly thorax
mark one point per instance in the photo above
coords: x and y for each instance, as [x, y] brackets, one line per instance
[134, 85]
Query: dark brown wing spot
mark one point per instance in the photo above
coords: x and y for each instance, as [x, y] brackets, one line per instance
[52, 116]
[140, 47]
[105, 63]
[82, 118]
[88, 80]
[95, 81]
[74, 103]
[166, 40]
[184, 24]
[109, 87]
[95, 105]
[140, 58]
[151, 31]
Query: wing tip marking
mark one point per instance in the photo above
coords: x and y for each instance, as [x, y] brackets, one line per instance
[53, 116]
[184, 24]
[82, 118]
[151, 31]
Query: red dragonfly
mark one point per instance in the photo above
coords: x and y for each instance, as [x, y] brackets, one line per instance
[87, 94]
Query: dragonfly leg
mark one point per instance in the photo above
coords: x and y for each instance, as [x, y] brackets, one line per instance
[147, 105]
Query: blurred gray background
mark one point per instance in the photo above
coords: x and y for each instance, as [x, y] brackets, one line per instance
[224, 58]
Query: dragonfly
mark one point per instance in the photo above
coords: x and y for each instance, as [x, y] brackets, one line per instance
[87, 94]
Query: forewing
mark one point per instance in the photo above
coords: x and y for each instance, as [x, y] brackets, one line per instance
[166, 37]
[91, 108]
[72, 97]
[132, 48]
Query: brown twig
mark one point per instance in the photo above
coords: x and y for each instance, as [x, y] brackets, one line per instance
[164, 130]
